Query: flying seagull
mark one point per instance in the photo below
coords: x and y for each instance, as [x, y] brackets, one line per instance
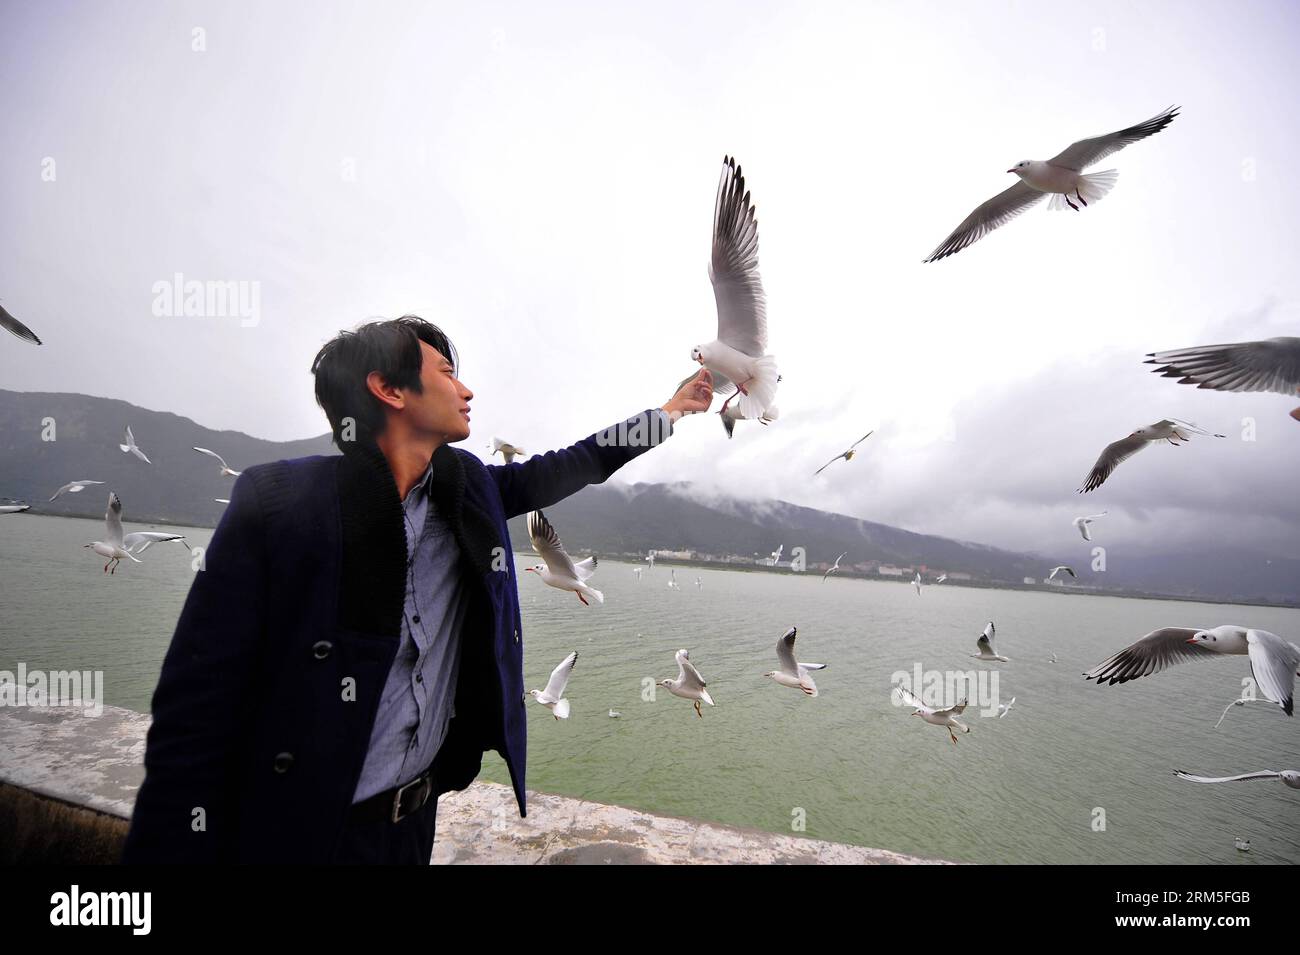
[689, 685]
[792, 673]
[1241, 702]
[941, 578]
[508, 450]
[938, 717]
[225, 468]
[1004, 708]
[559, 570]
[1057, 570]
[1289, 777]
[1061, 176]
[14, 508]
[74, 487]
[846, 455]
[985, 644]
[1272, 365]
[130, 446]
[834, 567]
[738, 358]
[12, 324]
[112, 546]
[553, 696]
[1273, 660]
[1081, 524]
[1169, 429]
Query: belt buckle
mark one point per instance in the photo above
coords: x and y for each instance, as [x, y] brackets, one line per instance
[422, 780]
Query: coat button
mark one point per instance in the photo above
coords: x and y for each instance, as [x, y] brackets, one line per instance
[283, 761]
[516, 634]
[321, 649]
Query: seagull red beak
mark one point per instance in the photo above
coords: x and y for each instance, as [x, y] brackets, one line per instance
[1191, 639]
[1010, 170]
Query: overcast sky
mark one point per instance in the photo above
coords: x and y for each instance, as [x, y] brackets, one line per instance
[539, 179]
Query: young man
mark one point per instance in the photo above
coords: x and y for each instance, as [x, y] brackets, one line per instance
[353, 644]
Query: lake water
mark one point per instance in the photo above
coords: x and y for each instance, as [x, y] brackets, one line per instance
[848, 764]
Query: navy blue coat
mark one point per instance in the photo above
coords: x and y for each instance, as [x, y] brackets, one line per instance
[268, 693]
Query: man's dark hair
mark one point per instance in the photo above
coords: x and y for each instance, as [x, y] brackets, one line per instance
[391, 348]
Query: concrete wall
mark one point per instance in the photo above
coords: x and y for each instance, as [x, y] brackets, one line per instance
[68, 783]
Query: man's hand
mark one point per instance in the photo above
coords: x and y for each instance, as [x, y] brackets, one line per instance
[694, 396]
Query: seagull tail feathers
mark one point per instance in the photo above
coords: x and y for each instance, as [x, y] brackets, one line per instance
[561, 709]
[761, 388]
[593, 592]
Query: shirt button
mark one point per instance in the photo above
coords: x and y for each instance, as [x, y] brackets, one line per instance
[321, 649]
[283, 761]
[419, 678]
[415, 619]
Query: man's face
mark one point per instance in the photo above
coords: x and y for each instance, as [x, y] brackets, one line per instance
[443, 407]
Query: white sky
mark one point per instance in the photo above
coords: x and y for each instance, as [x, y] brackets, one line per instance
[539, 180]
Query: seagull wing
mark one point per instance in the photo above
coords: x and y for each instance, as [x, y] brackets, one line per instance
[586, 568]
[128, 438]
[113, 520]
[687, 674]
[827, 464]
[785, 653]
[213, 454]
[911, 699]
[547, 543]
[999, 210]
[1085, 152]
[954, 710]
[737, 288]
[1192, 777]
[861, 439]
[560, 678]
[1272, 365]
[1157, 650]
[1273, 662]
[145, 538]
[12, 324]
[984, 643]
[1111, 458]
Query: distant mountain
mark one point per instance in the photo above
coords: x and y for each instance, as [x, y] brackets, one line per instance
[609, 519]
[178, 487]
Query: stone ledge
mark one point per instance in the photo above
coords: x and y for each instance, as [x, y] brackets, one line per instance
[94, 765]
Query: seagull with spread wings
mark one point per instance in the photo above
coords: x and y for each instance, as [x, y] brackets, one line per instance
[113, 546]
[553, 696]
[985, 645]
[74, 487]
[1062, 176]
[1273, 660]
[130, 447]
[835, 566]
[559, 570]
[1170, 429]
[689, 685]
[846, 455]
[947, 716]
[1081, 524]
[1272, 365]
[793, 673]
[225, 468]
[738, 357]
[1062, 569]
[508, 450]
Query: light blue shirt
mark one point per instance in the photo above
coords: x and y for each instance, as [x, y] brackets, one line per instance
[418, 698]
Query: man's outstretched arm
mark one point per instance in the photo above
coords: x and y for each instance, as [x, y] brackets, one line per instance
[544, 479]
[184, 810]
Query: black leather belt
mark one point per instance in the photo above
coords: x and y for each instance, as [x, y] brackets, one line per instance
[394, 805]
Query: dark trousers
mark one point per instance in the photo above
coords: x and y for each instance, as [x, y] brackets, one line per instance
[408, 841]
